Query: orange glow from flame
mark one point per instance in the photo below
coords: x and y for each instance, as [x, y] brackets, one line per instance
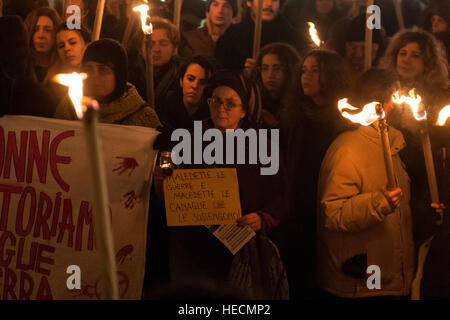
[413, 101]
[366, 117]
[313, 34]
[75, 83]
[444, 114]
[143, 9]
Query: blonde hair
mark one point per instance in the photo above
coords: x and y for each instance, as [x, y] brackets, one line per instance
[435, 74]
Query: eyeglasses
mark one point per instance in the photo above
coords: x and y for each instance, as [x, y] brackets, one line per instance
[216, 102]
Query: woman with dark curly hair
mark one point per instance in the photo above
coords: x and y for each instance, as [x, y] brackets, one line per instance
[41, 25]
[420, 62]
[276, 73]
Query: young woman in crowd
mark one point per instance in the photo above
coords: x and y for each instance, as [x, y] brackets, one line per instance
[276, 73]
[41, 25]
[166, 63]
[105, 63]
[420, 63]
[20, 93]
[71, 44]
[311, 125]
[187, 103]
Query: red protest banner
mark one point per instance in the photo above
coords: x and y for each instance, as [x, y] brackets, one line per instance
[46, 216]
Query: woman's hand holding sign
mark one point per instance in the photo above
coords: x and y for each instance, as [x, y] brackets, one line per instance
[253, 220]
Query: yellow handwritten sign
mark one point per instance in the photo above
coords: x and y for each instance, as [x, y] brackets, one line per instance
[202, 197]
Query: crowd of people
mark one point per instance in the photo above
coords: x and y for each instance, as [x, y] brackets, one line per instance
[327, 214]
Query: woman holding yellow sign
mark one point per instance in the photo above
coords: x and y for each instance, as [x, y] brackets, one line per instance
[195, 252]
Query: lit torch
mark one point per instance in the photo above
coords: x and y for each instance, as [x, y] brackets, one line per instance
[147, 28]
[444, 114]
[314, 34]
[87, 109]
[414, 101]
[369, 114]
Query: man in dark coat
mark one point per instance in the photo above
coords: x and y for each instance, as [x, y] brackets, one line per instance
[235, 46]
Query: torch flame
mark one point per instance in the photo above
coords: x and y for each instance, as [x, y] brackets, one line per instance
[75, 83]
[444, 114]
[143, 9]
[313, 34]
[413, 101]
[366, 117]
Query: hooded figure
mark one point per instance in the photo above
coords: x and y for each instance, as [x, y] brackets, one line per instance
[105, 62]
[437, 21]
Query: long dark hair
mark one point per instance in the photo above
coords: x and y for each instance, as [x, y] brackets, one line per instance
[334, 78]
[30, 24]
[289, 59]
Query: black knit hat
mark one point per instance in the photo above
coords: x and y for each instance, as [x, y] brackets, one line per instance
[111, 53]
[233, 4]
[356, 31]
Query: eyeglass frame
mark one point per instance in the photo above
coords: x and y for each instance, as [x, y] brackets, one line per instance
[222, 103]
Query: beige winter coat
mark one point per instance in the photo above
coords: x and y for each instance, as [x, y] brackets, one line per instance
[355, 218]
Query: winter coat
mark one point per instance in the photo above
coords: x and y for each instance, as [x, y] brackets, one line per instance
[173, 114]
[195, 251]
[130, 109]
[198, 42]
[356, 226]
[165, 77]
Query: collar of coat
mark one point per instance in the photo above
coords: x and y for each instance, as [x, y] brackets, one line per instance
[119, 109]
[396, 139]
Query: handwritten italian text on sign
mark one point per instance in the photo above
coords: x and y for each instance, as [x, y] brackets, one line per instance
[202, 197]
[47, 216]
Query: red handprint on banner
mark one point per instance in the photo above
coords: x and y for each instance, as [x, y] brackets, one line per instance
[85, 291]
[130, 199]
[125, 164]
[123, 253]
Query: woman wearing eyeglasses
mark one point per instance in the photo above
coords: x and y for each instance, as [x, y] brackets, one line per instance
[194, 252]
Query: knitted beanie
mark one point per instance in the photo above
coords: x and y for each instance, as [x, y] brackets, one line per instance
[233, 4]
[111, 53]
